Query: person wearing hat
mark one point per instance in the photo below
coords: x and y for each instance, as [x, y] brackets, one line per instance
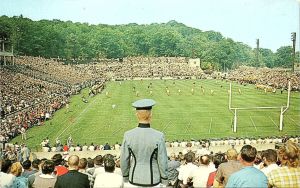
[144, 160]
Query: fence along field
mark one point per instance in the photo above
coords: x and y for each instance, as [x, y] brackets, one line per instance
[187, 114]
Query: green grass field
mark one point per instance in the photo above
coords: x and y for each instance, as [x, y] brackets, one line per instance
[179, 116]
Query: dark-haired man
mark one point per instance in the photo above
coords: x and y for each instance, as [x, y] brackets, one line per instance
[98, 163]
[185, 171]
[108, 178]
[269, 158]
[144, 160]
[248, 176]
[46, 178]
[6, 179]
[59, 168]
[27, 169]
[82, 169]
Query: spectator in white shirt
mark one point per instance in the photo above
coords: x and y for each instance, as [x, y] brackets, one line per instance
[109, 178]
[84, 147]
[186, 169]
[269, 159]
[98, 163]
[200, 175]
[92, 147]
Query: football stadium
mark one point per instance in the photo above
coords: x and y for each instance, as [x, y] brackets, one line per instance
[186, 115]
[85, 104]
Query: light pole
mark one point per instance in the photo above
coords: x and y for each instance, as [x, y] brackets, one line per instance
[257, 53]
[293, 37]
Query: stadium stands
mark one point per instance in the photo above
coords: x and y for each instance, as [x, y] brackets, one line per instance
[34, 88]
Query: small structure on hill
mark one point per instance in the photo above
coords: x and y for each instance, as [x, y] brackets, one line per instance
[4, 55]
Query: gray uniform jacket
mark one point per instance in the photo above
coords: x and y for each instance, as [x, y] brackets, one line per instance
[144, 160]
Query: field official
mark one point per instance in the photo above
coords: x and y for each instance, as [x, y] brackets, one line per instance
[144, 160]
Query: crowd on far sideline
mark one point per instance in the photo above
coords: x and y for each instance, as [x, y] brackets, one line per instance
[276, 78]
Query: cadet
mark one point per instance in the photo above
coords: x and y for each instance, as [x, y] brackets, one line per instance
[144, 160]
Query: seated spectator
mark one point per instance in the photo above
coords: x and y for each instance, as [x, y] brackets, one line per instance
[117, 146]
[73, 179]
[108, 178]
[248, 176]
[20, 181]
[90, 166]
[66, 148]
[186, 169]
[27, 169]
[47, 177]
[78, 148]
[53, 149]
[98, 163]
[218, 159]
[106, 147]
[82, 169]
[58, 162]
[269, 160]
[84, 147]
[59, 148]
[36, 166]
[289, 172]
[173, 165]
[227, 168]
[91, 147]
[72, 148]
[200, 175]
[6, 179]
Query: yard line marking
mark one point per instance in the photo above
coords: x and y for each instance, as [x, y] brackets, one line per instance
[78, 117]
[253, 123]
[166, 126]
[210, 124]
[273, 121]
[187, 127]
[294, 121]
[115, 132]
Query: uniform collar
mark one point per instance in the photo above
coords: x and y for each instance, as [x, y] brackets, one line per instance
[144, 125]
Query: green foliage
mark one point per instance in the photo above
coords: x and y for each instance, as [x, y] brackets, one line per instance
[267, 57]
[83, 41]
[284, 57]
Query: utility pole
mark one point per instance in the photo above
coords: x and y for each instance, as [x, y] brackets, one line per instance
[293, 37]
[257, 52]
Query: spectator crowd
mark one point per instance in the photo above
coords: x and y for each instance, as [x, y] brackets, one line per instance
[191, 168]
[33, 89]
[276, 78]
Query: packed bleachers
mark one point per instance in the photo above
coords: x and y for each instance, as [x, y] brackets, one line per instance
[35, 86]
[276, 78]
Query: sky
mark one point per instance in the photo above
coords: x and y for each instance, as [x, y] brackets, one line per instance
[270, 21]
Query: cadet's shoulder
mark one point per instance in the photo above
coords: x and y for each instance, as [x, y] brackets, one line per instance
[158, 133]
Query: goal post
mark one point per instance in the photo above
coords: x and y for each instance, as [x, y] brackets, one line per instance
[234, 110]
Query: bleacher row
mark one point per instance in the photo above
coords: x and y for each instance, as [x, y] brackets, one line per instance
[190, 164]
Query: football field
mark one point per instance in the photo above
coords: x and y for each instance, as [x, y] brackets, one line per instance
[193, 109]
